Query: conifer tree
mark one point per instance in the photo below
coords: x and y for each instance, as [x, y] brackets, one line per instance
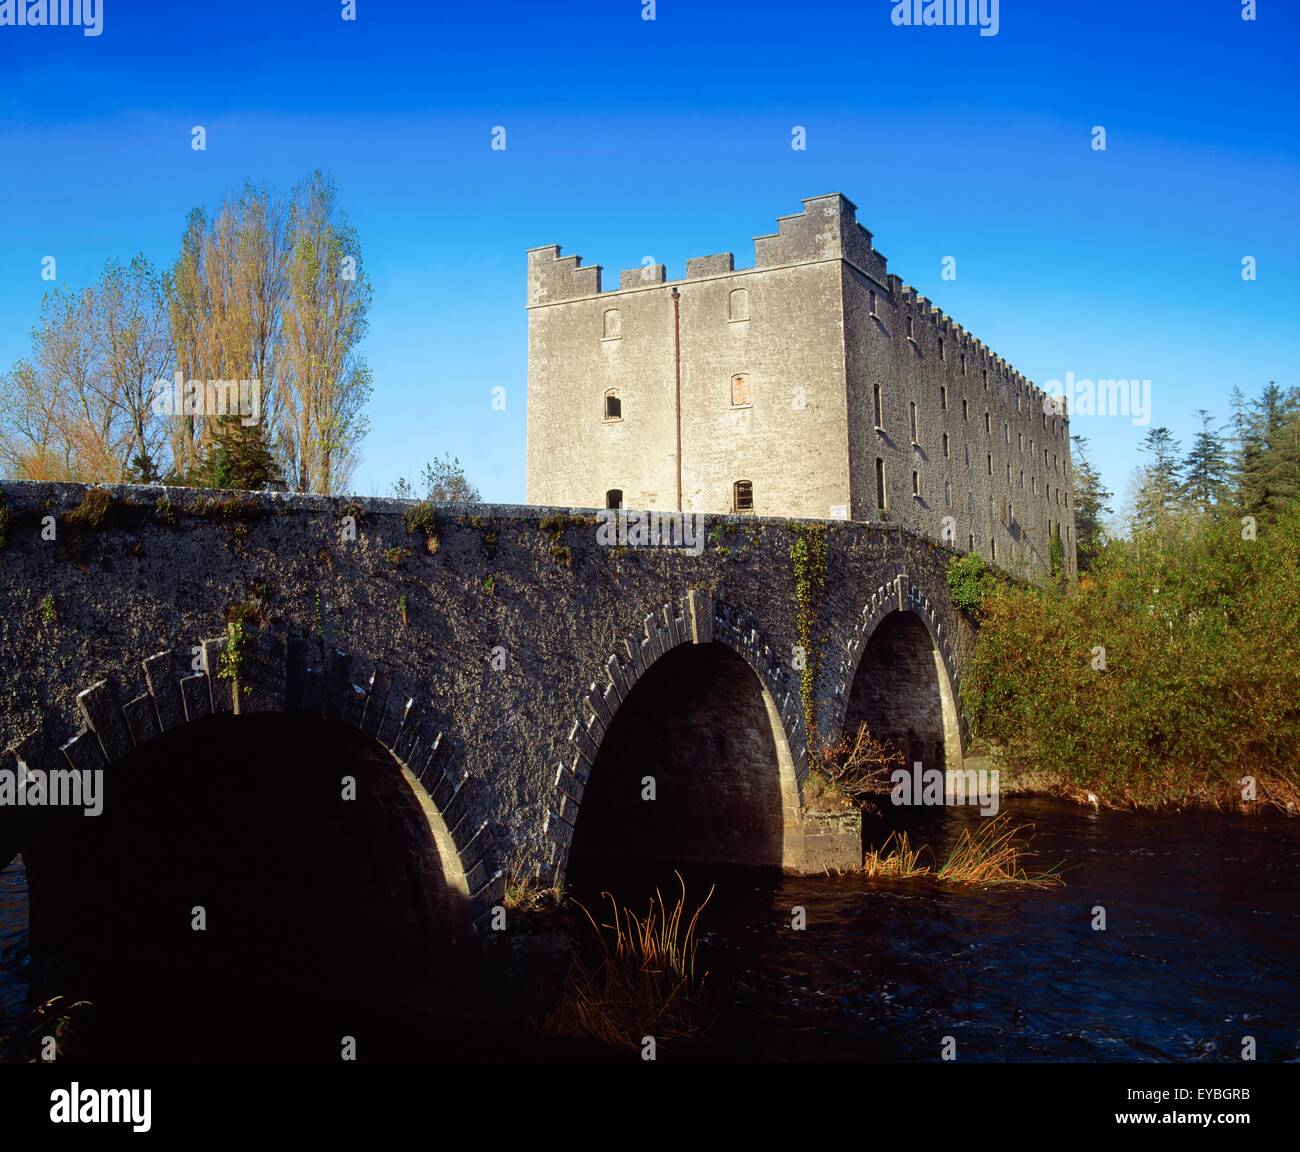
[1207, 470]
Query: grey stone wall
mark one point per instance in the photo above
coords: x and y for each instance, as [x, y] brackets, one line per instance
[516, 636]
[813, 351]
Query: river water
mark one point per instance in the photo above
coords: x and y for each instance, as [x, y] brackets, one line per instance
[1202, 917]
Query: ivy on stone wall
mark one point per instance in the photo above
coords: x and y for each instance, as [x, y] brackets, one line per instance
[808, 553]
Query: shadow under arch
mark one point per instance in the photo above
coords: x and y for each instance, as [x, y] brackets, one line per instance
[700, 730]
[295, 840]
[900, 679]
[275, 863]
[699, 687]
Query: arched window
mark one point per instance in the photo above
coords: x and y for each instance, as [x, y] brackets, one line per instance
[613, 324]
[740, 393]
[613, 405]
[614, 498]
[738, 304]
[742, 496]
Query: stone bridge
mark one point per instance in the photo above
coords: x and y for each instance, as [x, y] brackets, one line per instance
[519, 681]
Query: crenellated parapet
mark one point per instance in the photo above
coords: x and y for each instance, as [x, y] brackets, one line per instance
[552, 278]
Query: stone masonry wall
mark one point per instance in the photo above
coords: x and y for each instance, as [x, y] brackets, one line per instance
[815, 327]
[515, 635]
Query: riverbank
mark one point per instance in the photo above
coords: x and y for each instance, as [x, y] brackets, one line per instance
[1273, 794]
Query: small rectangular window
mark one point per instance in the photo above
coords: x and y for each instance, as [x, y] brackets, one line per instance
[990, 463]
[943, 399]
[880, 406]
[965, 411]
[873, 303]
[945, 445]
[743, 496]
[614, 498]
[916, 484]
[942, 353]
[912, 421]
[988, 424]
[880, 483]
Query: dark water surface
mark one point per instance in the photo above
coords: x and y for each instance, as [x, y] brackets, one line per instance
[1200, 949]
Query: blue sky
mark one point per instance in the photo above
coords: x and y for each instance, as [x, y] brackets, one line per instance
[670, 138]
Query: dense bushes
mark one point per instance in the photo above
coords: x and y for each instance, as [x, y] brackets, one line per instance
[1170, 673]
[970, 582]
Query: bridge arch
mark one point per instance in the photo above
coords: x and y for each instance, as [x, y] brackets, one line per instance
[694, 642]
[290, 675]
[900, 674]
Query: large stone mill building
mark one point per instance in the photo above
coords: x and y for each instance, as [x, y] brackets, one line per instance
[814, 384]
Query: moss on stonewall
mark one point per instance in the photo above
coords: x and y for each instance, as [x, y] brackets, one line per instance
[227, 509]
[555, 525]
[164, 510]
[91, 511]
[422, 519]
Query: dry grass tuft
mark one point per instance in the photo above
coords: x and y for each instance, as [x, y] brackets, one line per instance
[989, 855]
[902, 862]
[643, 981]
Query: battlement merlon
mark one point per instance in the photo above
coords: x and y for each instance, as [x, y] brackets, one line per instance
[826, 229]
[552, 277]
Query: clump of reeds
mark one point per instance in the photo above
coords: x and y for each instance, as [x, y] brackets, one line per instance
[643, 979]
[991, 855]
[902, 861]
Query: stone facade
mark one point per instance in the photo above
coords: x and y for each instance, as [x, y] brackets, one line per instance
[490, 649]
[769, 375]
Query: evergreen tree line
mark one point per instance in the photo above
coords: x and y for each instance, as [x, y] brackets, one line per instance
[269, 289]
[1250, 467]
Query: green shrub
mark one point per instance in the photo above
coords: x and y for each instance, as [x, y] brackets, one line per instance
[970, 581]
[1170, 674]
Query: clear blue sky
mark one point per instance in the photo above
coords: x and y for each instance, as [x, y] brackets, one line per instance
[629, 138]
